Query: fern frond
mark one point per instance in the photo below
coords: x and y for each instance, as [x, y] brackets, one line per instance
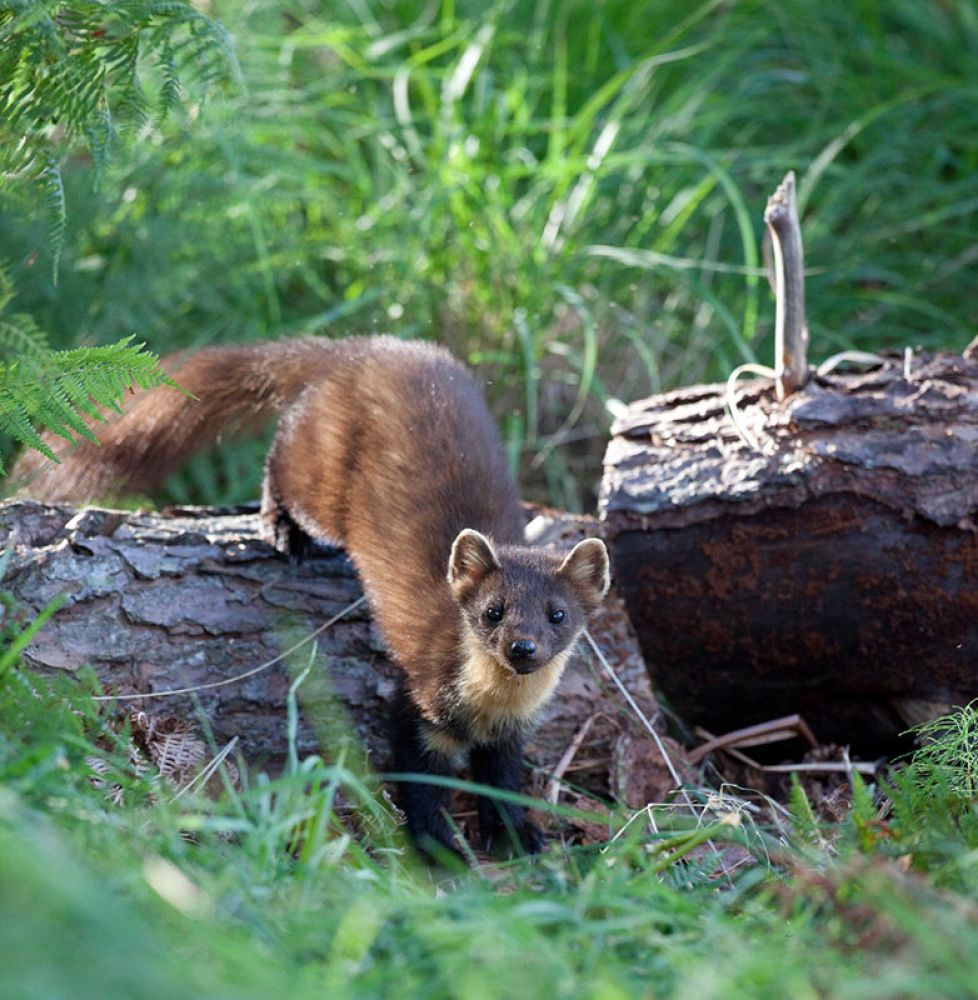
[21, 337]
[802, 812]
[76, 73]
[170, 88]
[6, 289]
[54, 203]
[55, 390]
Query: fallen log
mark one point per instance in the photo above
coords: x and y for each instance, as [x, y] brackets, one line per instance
[192, 599]
[807, 544]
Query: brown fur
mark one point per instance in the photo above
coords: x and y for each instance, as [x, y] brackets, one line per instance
[387, 448]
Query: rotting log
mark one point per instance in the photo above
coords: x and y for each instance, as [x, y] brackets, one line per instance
[831, 571]
[160, 601]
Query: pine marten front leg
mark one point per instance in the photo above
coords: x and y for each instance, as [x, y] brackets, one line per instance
[425, 806]
[500, 765]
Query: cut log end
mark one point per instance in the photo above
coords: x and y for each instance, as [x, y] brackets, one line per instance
[834, 574]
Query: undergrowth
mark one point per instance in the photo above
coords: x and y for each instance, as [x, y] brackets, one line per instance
[302, 884]
[80, 78]
[568, 194]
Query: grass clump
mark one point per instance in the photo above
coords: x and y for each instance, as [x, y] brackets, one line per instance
[569, 195]
[291, 885]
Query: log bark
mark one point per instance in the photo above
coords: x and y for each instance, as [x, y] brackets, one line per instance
[831, 571]
[192, 597]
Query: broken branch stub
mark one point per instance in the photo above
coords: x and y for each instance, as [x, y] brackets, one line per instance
[791, 329]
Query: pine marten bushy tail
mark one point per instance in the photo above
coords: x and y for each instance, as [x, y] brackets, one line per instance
[226, 390]
[387, 448]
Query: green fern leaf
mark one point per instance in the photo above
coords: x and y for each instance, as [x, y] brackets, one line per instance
[20, 337]
[802, 813]
[54, 202]
[81, 66]
[55, 390]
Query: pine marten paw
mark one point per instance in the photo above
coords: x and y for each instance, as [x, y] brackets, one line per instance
[496, 835]
[280, 531]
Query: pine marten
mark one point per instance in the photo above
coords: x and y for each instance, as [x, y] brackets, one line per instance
[387, 448]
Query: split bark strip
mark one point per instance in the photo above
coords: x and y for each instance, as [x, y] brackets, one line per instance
[791, 329]
[774, 731]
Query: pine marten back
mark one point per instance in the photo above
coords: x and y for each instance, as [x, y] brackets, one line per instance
[387, 448]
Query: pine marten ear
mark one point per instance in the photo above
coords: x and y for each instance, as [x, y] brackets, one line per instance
[588, 571]
[473, 558]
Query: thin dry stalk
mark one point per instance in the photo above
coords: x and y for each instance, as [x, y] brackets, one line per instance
[791, 329]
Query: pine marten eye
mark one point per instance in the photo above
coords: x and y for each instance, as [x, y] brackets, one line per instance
[557, 616]
[494, 613]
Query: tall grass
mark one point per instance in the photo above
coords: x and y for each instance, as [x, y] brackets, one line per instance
[567, 193]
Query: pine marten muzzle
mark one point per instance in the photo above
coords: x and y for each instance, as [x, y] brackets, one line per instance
[387, 448]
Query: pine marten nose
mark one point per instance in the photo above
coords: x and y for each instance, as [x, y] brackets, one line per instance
[522, 649]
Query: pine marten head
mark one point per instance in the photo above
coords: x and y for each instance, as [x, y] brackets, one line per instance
[525, 606]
